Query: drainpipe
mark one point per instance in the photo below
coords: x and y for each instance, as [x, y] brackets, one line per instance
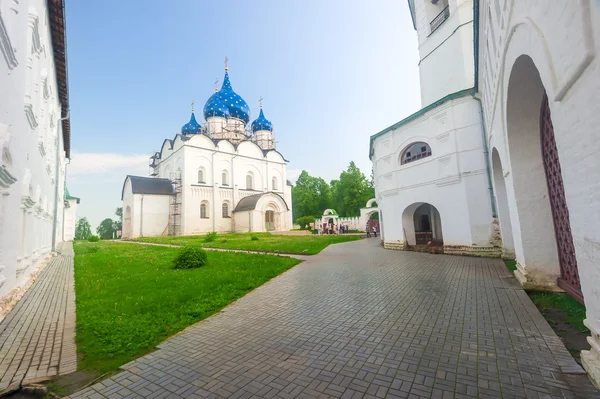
[476, 96]
[56, 184]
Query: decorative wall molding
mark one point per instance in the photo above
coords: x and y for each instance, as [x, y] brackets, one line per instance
[31, 116]
[9, 52]
[6, 178]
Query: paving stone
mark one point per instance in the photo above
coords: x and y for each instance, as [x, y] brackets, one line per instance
[358, 321]
[37, 337]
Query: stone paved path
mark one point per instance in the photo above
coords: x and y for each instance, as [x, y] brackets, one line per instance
[37, 337]
[359, 321]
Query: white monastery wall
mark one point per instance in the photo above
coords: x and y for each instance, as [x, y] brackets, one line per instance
[70, 220]
[30, 135]
[453, 179]
[526, 49]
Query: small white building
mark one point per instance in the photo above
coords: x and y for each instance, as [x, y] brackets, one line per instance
[507, 136]
[223, 176]
[34, 136]
[70, 216]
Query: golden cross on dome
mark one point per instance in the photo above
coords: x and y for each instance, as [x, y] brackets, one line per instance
[217, 84]
[192, 105]
[226, 66]
[260, 101]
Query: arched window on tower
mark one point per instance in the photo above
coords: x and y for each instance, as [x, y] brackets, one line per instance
[201, 176]
[414, 152]
[225, 210]
[274, 183]
[249, 181]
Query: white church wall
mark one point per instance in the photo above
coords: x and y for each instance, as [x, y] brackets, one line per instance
[30, 130]
[549, 36]
[152, 213]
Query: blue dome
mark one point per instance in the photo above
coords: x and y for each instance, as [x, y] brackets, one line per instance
[192, 127]
[237, 107]
[261, 123]
[215, 107]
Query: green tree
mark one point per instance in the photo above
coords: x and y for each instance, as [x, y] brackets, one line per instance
[82, 229]
[351, 191]
[118, 224]
[305, 221]
[106, 229]
[310, 196]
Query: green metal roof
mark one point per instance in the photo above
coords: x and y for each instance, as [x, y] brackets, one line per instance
[422, 111]
[68, 196]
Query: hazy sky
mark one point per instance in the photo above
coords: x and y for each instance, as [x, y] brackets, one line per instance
[331, 72]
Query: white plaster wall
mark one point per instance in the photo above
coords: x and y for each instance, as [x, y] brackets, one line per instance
[453, 179]
[151, 215]
[30, 131]
[446, 55]
[70, 218]
[550, 35]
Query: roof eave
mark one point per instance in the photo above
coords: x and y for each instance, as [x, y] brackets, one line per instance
[422, 111]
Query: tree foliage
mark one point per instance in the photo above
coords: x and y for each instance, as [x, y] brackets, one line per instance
[106, 229]
[312, 195]
[351, 191]
[305, 221]
[118, 224]
[82, 229]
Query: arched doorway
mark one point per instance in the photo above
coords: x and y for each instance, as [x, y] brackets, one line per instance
[127, 233]
[270, 220]
[373, 222]
[508, 245]
[546, 253]
[422, 226]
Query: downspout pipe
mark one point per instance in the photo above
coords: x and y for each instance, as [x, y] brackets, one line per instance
[57, 183]
[476, 96]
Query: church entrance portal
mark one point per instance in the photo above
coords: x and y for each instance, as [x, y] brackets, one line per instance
[569, 275]
[422, 225]
[546, 254]
[269, 220]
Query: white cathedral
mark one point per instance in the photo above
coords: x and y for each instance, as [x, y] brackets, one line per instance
[503, 157]
[224, 175]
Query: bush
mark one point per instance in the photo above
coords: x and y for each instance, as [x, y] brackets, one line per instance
[223, 240]
[305, 221]
[93, 238]
[190, 258]
[254, 238]
[210, 237]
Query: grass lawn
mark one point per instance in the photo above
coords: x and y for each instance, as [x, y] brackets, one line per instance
[574, 311]
[267, 242]
[511, 265]
[129, 299]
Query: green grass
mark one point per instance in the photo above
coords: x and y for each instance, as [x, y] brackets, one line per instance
[573, 310]
[267, 242]
[511, 265]
[129, 299]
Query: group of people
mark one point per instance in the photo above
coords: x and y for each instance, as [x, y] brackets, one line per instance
[332, 229]
[373, 229]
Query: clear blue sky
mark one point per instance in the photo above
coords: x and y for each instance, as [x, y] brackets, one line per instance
[332, 73]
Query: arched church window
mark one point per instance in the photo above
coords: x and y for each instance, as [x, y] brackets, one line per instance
[225, 210]
[203, 210]
[274, 183]
[224, 178]
[249, 182]
[201, 176]
[415, 151]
